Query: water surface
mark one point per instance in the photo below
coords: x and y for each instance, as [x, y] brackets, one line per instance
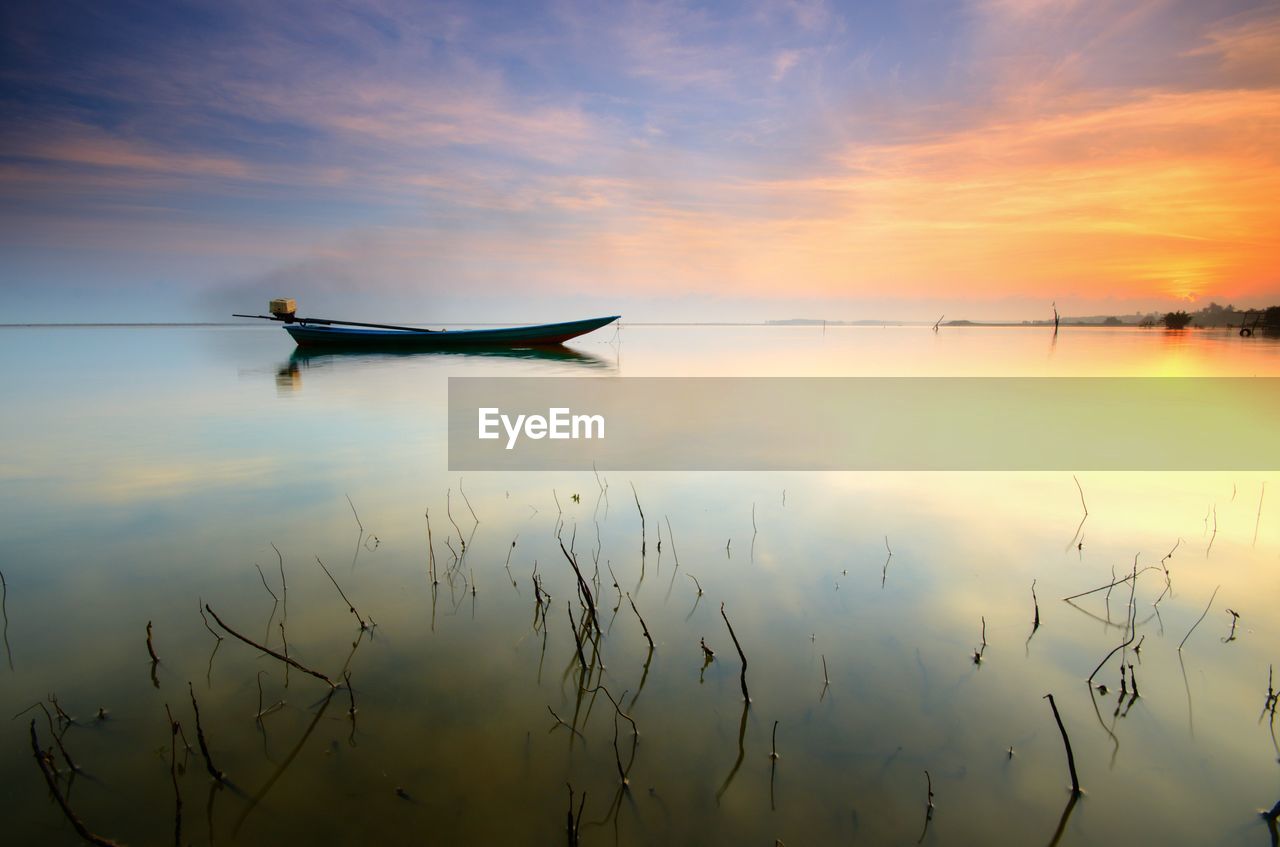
[147, 469]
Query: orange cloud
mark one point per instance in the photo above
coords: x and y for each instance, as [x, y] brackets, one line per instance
[1171, 195]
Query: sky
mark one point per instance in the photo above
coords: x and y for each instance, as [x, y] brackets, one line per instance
[498, 161]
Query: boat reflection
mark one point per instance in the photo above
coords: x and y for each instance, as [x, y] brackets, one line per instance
[289, 375]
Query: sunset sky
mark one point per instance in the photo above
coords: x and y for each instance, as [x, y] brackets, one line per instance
[666, 161]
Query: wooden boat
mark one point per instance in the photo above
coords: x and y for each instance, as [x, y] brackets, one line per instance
[321, 333]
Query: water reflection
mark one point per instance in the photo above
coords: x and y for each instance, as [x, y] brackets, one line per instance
[158, 478]
[289, 374]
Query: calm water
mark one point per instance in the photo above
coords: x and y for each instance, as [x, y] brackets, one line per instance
[147, 469]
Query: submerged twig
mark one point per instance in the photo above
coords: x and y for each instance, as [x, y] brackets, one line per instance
[200, 600]
[1257, 520]
[174, 729]
[1035, 624]
[1213, 537]
[218, 775]
[466, 500]
[583, 587]
[643, 626]
[288, 661]
[4, 611]
[928, 809]
[671, 536]
[150, 649]
[746, 696]
[263, 577]
[1235, 619]
[284, 585]
[46, 770]
[1131, 626]
[1066, 742]
[1111, 584]
[641, 511]
[1197, 623]
[350, 605]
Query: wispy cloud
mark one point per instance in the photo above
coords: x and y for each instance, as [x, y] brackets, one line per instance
[998, 148]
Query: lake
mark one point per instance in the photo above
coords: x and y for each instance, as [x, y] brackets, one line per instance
[888, 618]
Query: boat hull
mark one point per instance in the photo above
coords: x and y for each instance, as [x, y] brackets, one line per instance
[316, 336]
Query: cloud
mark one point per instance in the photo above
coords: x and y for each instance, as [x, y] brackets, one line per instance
[784, 61]
[1246, 46]
[997, 149]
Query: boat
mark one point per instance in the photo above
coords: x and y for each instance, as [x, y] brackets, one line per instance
[323, 333]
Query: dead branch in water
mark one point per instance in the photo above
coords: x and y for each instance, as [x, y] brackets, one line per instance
[4, 598]
[577, 640]
[150, 649]
[1066, 742]
[746, 696]
[583, 588]
[1083, 505]
[57, 738]
[353, 512]
[200, 600]
[560, 722]
[742, 737]
[1235, 619]
[1197, 623]
[671, 536]
[1131, 626]
[431, 550]
[574, 823]
[643, 626]
[928, 809]
[773, 763]
[467, 500]
[269, 651]
[1258, 519]
[695, 582]
[350, 605]
[263, 577]
[1213, 537]
[1110, 585]
[46, 769]
[448, 511]
[1080, 527]
[218, 775]
[284, 585]
[641, 511]
[174, 729]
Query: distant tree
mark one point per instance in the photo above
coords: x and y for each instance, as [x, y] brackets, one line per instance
[1176, 320]
[1271, 318]
[1113, 321]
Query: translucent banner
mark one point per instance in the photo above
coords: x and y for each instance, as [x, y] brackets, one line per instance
[960, 424]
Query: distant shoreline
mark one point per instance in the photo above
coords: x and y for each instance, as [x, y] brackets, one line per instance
[783, 324]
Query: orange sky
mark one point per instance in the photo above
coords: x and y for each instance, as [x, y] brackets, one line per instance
[988, 156]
